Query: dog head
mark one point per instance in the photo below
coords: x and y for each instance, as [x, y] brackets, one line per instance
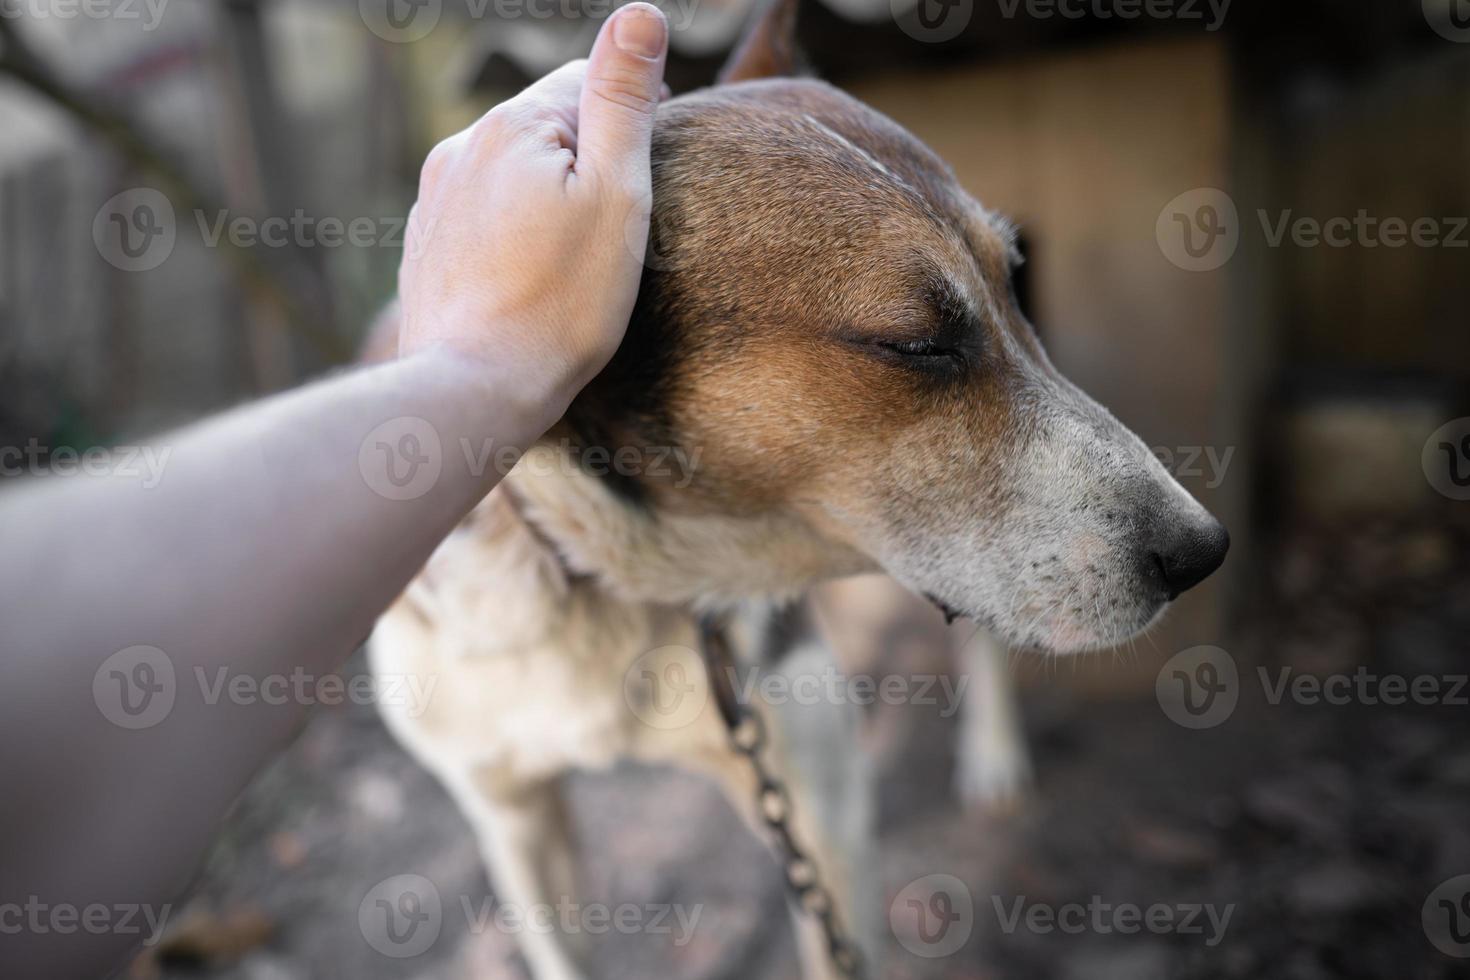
[828, 320]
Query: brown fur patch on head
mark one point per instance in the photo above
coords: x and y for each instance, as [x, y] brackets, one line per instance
[795, 232]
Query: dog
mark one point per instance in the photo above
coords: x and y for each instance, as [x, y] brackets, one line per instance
[863, 619]
[827, 337]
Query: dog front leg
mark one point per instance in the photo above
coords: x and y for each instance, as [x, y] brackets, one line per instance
[993, 767]
[526, 839]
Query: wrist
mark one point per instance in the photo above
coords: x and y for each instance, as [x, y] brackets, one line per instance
[498, 397]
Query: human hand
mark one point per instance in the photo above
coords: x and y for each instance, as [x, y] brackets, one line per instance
[525, 247]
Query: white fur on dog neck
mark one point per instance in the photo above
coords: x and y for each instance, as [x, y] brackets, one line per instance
[703, 561]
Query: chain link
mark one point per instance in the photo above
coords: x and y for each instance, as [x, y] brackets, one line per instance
[773, 801]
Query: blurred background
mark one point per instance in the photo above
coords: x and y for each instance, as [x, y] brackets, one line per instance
[1245, 226]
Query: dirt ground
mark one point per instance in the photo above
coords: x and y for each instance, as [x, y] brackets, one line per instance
[1321, 829]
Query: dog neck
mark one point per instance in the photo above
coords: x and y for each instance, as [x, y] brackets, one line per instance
[639, 552]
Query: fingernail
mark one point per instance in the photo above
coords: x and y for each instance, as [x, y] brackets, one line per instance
[640, 31]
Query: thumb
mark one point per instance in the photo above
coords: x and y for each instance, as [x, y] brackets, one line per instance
[624, 75]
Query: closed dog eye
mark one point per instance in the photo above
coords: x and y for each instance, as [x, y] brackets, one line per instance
[926, 349]
[936, 333]
[928, 355]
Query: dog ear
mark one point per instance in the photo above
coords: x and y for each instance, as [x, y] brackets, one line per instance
[768, 49]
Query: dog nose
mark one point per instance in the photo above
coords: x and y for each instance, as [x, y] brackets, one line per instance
[1190, 555]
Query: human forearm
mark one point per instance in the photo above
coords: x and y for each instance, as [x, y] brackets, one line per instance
[258, 561]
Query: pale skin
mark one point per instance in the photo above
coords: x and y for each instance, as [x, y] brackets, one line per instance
[265, 549]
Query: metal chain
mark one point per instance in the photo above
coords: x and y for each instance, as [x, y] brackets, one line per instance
[773, 800]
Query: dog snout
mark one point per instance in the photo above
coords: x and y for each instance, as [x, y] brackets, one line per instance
[1186, 554]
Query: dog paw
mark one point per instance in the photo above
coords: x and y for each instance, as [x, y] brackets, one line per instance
[994, 778]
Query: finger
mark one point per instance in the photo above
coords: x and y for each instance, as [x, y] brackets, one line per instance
[624, 73]
[555, 96]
